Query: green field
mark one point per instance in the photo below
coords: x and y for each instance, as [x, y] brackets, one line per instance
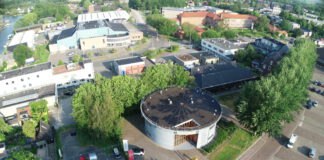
[233, 146]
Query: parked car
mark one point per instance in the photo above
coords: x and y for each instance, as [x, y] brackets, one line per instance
[71, 54]
[292, 140]
[138, 151]
[312, 152]
[313, 89]
[116, 153]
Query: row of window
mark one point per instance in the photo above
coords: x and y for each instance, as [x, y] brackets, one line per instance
[22, 79]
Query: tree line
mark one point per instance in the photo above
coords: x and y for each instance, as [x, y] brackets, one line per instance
[98, 106]
[267, 104]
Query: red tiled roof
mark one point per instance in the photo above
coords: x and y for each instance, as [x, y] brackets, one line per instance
[198, 29]
[194, 14]
[237, 16]
[213, 16]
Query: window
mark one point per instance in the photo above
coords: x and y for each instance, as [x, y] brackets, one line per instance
[89, 75]
[28, 78]
[37, 76]
[30, 84]
[13, 82]
[7, 83]
[103, 40]
[24, 86]
[22, 79]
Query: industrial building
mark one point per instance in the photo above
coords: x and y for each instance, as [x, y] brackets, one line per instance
[41, 81]
[128, 66]
[180, 118]
[22, 38]
[97, 31]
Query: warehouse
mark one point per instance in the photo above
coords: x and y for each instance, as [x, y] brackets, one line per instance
[180, 118]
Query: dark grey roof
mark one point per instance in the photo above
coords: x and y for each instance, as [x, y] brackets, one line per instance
[27, 95]
[117, 26]
[204, 110]
[54, 39]
[129, 60]
[67, 33]
[25, 70]
[91, 24]
[209, 76]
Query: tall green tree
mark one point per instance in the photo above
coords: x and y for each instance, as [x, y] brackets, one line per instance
[286, 25]
[26, 20]
[163, 25]
[95, 112]
[262, 24]
[4, 128]
[39, 110]
[210, 34]
[21, 53]
[267, 104]
[22, 155]
[228, 34]
[29, 128]
[162, 76]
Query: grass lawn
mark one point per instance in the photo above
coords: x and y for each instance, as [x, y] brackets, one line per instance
[229, 100]
[231, 148]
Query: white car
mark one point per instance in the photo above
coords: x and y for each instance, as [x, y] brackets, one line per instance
[292, 140]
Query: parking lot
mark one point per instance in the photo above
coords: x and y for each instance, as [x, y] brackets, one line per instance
[310, 131]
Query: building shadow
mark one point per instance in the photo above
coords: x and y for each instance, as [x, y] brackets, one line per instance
[304, 150]
[136, 120]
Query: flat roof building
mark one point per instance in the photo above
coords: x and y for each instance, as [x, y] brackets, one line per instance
[187, 60]
[21, 86]
[180, 118]
[223, 47]
[110, 16]
[130, 65]
[22, 38]
[221, 74]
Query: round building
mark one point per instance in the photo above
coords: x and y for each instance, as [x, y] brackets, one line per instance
[180, 118]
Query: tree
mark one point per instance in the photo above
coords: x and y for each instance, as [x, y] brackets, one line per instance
[262, 24]
[29, 128]
[228, 34]
[60, 63]
[210, 34]
[21, 53]
[96, 114]
[26, 20]
[85, 3]
[190, 32]
[286, 25]
[41, 54]
[247, 55]
[163, 25]
[4, 128]
[297, 33]
[280, 94]
[3, 67]
[77, 58]
[39, 110]
[22, 155]
[162, 76]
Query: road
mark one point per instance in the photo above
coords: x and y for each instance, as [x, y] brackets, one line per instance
[308, 125]
[138, 16]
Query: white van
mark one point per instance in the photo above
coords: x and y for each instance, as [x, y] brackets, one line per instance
[292, 140]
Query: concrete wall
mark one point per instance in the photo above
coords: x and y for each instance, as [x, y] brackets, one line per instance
[25, 82]
[92, 43]
[134, 68]
[170, 14]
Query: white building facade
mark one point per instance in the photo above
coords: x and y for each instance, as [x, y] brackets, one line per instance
[21, 86]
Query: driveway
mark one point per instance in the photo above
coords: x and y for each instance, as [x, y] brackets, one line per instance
[61, 115]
